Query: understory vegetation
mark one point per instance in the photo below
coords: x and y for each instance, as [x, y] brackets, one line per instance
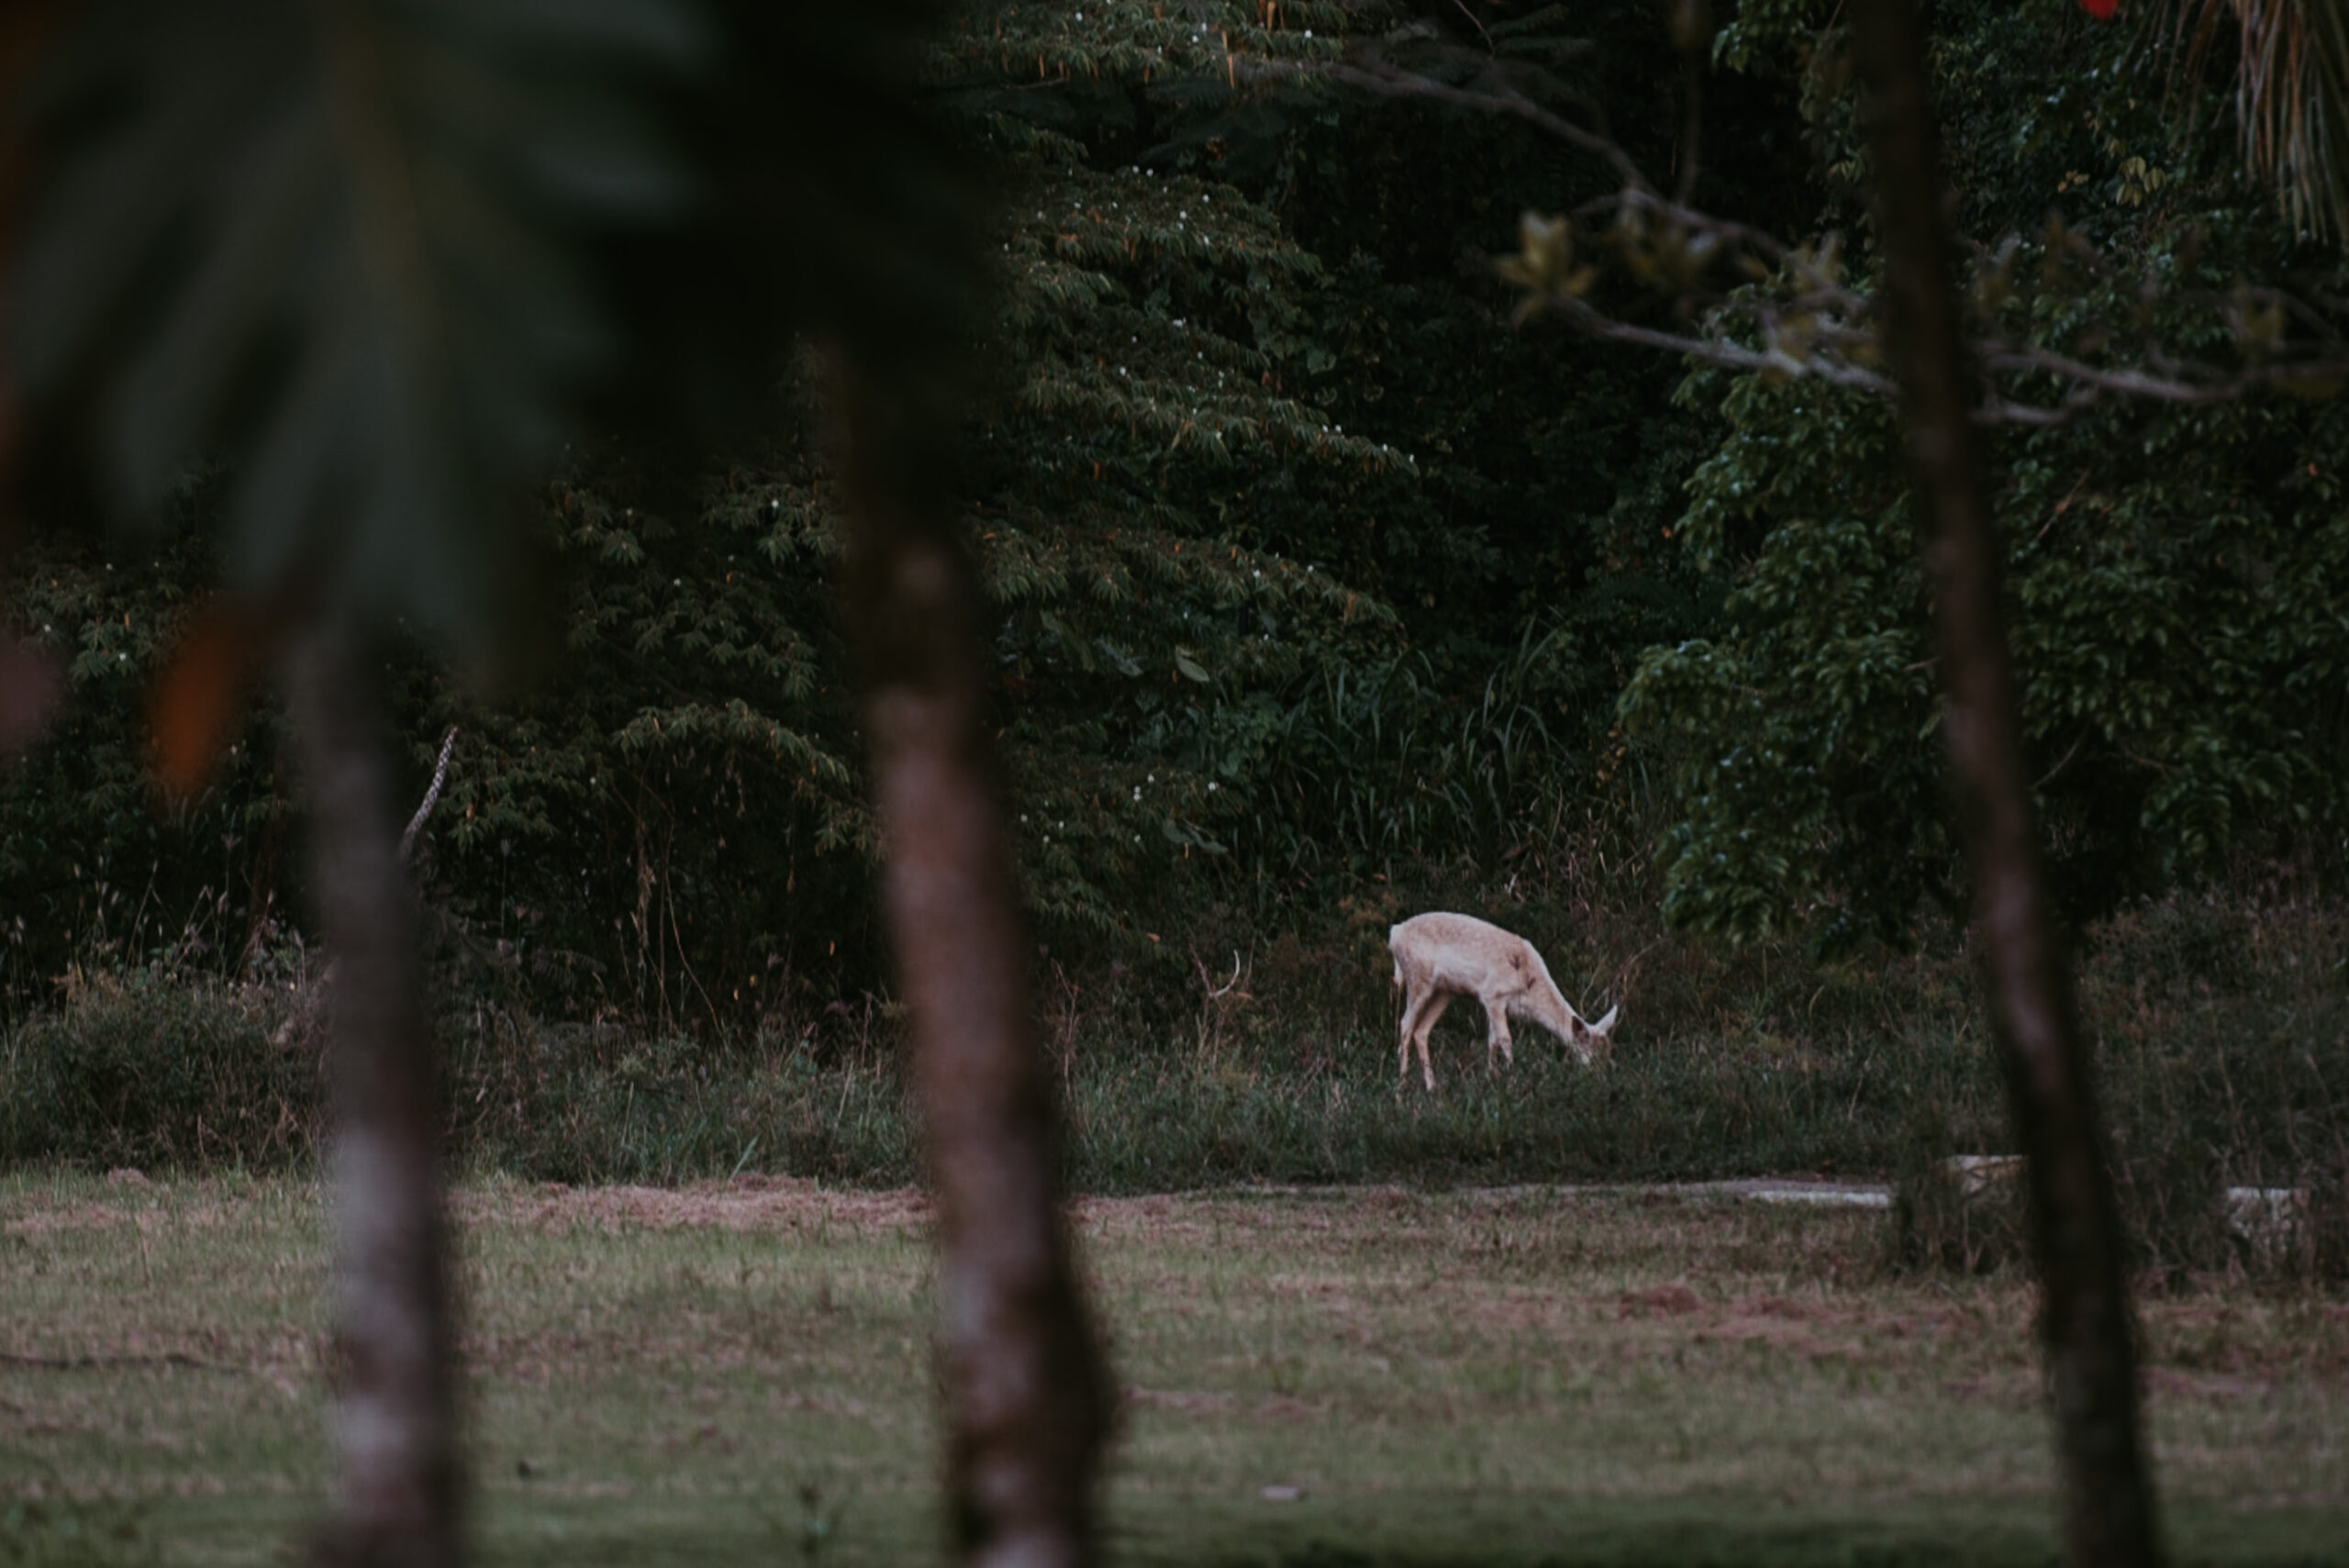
[2221, 1020]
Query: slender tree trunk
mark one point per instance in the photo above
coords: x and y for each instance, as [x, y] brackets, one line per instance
[394, 1417]
[1026, 1405]
[2085, 1314]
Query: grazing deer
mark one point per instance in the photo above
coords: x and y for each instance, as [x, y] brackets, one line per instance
[1437, 957]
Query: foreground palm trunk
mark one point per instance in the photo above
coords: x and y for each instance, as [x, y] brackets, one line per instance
[395, 1419]
[1025, 1403]
[2107, 1493]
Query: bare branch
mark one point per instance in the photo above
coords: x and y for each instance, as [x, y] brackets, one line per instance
[1794, 318]
[1716, 351]
[432, 797]
[1381, 76]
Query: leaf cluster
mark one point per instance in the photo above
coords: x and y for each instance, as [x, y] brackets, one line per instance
[2169, 564]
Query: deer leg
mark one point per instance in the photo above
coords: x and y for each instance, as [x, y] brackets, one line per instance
[1497, 1031]
[1412, 1001]
[1415, 1007]
[1436, 1003]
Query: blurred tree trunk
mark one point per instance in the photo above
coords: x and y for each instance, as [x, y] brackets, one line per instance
[2084, 1314]
[394, 1416]
[1026, 1407]
[27, 681]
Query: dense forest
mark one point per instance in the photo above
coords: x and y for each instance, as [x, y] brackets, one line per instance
[1323, 582]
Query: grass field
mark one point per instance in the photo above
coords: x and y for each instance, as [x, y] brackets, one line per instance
[739, 1373]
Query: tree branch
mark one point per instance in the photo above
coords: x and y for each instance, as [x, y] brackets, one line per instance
[1807, 324]
[432, 797]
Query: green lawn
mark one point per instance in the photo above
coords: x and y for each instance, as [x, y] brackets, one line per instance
[1525, 1377]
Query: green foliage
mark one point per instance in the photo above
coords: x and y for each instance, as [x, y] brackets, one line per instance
[383, 267]
[1372, 767]
[648, 826]
[92, 875]
[1187, 562]
[1805, 732]
[1298, 567]
[1136, 491]
[2171, 568]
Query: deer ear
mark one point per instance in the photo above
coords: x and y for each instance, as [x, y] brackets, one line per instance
[1604, 1025]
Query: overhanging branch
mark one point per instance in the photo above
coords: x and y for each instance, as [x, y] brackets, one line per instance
[1790, 314]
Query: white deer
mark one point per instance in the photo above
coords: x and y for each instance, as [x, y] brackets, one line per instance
[1439, 956]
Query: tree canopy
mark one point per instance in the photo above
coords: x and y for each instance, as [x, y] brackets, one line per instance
[1303, 565]
[2169, 564]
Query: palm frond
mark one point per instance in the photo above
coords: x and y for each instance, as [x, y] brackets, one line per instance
[2291, 97]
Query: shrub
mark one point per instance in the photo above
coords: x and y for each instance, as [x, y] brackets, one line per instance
[148, 1070]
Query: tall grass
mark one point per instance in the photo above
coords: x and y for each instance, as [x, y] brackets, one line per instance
[149, 1069]
[2222, 1019]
